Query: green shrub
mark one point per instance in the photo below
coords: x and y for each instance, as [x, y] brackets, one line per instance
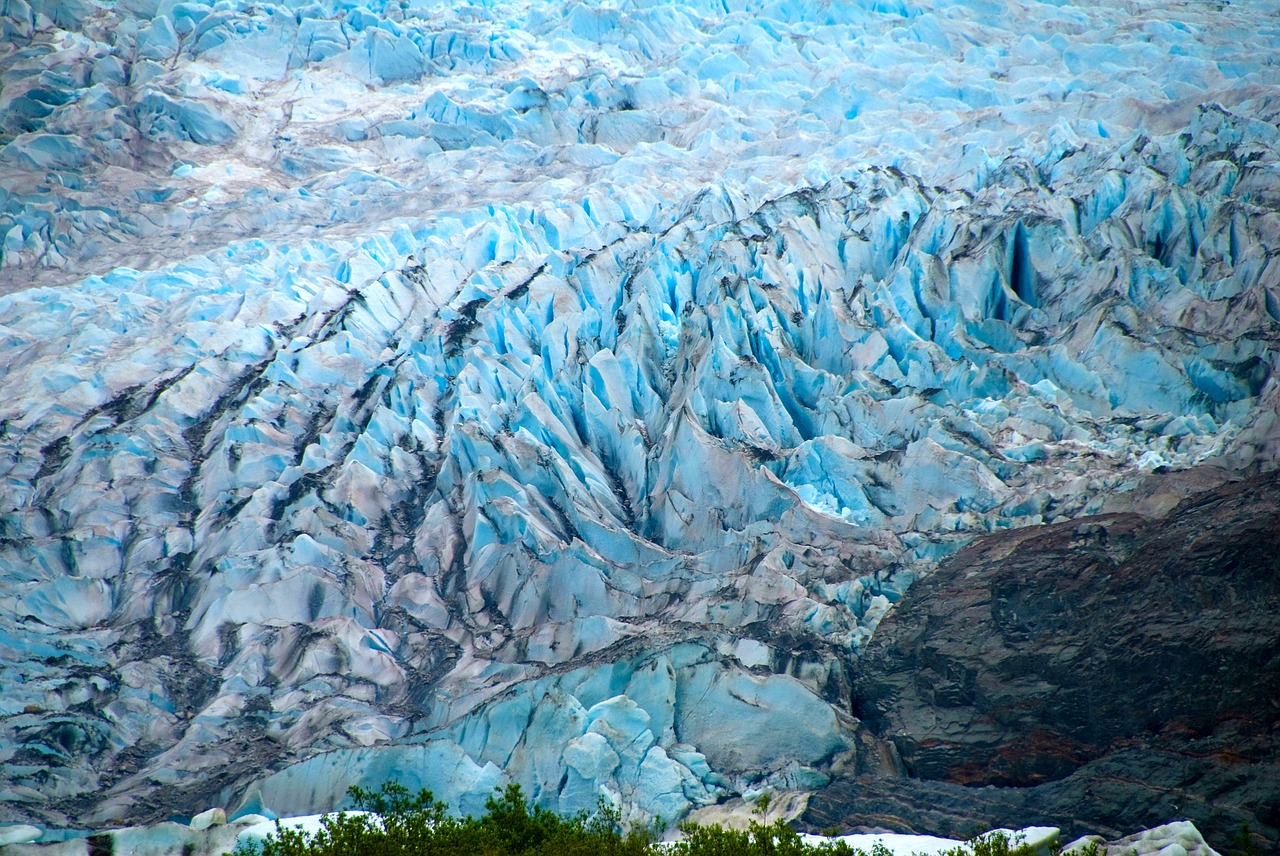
[759, 839]
[997, 843]
[405, 825]
[401, 824]
[1244, 843]
[1090, 849]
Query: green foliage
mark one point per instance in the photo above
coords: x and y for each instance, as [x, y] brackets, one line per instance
[994, 843]
[1245, 843]
[1090, 849]
[758, 839]
[402, 824]
[405, 825]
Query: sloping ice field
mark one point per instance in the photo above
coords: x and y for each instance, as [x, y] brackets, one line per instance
[560, 392]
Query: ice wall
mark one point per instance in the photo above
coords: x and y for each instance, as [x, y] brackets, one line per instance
[561, 394]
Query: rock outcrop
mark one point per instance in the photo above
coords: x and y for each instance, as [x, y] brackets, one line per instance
[1108, 673]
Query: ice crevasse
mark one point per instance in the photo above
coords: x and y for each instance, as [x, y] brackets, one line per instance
[560, 393]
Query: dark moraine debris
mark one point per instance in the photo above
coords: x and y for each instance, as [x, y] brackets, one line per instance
[1103, 675]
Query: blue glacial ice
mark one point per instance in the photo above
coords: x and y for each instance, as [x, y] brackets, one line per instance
[560, 393]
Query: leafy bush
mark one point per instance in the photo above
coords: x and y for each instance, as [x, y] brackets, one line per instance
[997, 843]
[405, 825]
[758, 839]
[401, 824]
[774, 839]
[992, 844]
[1245, 843]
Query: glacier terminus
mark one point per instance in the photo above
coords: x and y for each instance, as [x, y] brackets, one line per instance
[561, 392]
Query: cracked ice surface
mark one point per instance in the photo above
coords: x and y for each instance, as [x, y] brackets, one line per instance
[560, 394]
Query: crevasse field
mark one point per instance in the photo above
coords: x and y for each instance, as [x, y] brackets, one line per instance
[560, 393]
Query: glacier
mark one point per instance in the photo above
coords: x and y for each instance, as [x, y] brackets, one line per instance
[560, 393]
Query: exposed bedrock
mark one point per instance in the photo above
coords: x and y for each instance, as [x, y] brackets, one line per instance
[1105, 674]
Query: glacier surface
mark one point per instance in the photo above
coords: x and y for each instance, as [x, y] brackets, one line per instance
[560, 393]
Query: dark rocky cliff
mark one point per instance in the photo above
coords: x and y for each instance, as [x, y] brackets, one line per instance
[1102, 675]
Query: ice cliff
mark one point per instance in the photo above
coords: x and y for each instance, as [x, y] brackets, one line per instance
[561, 392]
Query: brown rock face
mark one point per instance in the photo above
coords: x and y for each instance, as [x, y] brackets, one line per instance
[1102, 674]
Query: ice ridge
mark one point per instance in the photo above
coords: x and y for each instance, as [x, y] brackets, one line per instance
[456, 414]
